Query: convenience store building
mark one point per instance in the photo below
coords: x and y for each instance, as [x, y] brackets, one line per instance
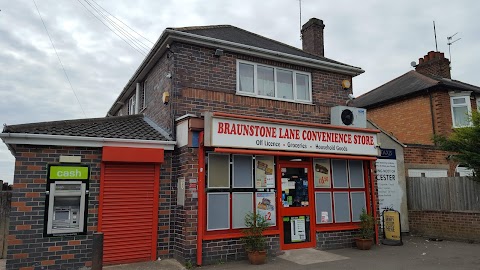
[216, 122]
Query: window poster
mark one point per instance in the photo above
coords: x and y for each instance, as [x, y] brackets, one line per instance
[264, 172]
[265, 206]
[322, 173]
[298, 229]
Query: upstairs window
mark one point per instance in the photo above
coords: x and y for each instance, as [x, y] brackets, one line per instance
[131, 105]
[271, 82]
[461, 109]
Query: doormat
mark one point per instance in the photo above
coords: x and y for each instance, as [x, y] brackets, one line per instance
[310, 256]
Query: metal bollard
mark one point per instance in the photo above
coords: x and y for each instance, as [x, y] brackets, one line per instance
[97, 251]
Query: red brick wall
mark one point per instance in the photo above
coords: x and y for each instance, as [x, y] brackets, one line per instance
[445, 225]
[409, 120]
[207, 83]
[428, 155]
[27, 247]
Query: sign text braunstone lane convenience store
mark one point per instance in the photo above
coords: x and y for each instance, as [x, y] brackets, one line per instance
[248, 134]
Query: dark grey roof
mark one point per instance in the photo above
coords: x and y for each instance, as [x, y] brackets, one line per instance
[409, 83]
[121, 127]
[241, 36]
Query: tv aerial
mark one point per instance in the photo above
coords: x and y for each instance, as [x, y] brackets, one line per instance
[450, 42]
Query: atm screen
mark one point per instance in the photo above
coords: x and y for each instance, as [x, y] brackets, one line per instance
[62, 215]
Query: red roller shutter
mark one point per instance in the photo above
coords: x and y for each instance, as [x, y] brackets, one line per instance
[129, 212]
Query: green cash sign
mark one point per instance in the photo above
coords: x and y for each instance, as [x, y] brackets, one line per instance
[68, 172]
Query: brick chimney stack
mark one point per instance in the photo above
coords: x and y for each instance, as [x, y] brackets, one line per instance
[434, 63]
[312, 36]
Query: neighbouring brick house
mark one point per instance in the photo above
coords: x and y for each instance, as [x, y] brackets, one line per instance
[418, 105]
[216, 122]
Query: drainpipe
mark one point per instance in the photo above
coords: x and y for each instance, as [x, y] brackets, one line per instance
[374, 200]
[201, 198]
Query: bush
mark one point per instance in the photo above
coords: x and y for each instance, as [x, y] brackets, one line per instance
[366, 225]
[253, 238]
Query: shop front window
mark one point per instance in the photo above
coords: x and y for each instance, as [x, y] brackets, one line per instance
[340, 192]
[237, 185]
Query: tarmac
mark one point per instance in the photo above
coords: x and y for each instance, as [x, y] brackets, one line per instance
[416, 253]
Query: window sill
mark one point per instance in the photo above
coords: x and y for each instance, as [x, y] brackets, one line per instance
[233, 234]
[273, 98]
[336, 227]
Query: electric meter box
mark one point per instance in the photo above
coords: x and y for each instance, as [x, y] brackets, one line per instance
[66, 202]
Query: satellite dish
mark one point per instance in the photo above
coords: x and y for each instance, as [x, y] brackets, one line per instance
[413, 64]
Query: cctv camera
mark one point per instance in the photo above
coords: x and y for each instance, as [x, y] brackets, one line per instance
[351, 97]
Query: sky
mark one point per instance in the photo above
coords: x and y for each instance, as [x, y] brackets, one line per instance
[381, 37]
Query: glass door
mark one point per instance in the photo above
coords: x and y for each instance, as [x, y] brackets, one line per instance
[296, 205]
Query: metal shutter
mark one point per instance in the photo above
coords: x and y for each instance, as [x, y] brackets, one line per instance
[129, 212]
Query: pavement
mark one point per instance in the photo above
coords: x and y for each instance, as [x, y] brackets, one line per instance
[416, 253]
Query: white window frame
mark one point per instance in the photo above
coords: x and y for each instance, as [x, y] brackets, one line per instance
[457, 95]
[350, 175]
[478, 104]
[352, 218]
[228, 207]
[330, 219]
[233, 206]
[131, 105]
[255, 87]
[210, 173]
[233, 171]
[349, 205]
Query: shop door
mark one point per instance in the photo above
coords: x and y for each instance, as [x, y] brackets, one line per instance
[129, 212]
[296, 206]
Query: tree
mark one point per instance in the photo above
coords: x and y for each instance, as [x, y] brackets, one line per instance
[465, 143]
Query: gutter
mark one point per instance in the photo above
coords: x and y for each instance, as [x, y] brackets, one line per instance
[62, 140]
[170, 35]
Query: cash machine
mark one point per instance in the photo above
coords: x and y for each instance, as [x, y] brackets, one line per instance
[66, 200]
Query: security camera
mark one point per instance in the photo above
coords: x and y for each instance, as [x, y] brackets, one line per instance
[351, 97]
[169, 75]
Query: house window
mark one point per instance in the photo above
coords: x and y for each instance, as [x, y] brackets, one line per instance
[461, 109]
[131, 105]
[271, 82]
[342, 199]
[478, 104]
[230, 189]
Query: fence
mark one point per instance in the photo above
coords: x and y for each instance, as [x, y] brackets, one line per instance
[5, 200]
[443, 194]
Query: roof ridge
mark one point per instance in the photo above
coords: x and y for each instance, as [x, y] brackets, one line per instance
[69, 121]
[258, 35]
[284, 44]
[378, 87]
[199, 27]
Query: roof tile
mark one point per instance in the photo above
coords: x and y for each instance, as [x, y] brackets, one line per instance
[125, 127]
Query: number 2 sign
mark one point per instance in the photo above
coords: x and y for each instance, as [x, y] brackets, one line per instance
[265, 206]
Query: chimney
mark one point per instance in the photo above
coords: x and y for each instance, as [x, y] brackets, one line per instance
[434, 64]
[312, 36]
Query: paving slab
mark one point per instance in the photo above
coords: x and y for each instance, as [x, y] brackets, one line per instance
[167, 264]
[310, 256]
[416, 253]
